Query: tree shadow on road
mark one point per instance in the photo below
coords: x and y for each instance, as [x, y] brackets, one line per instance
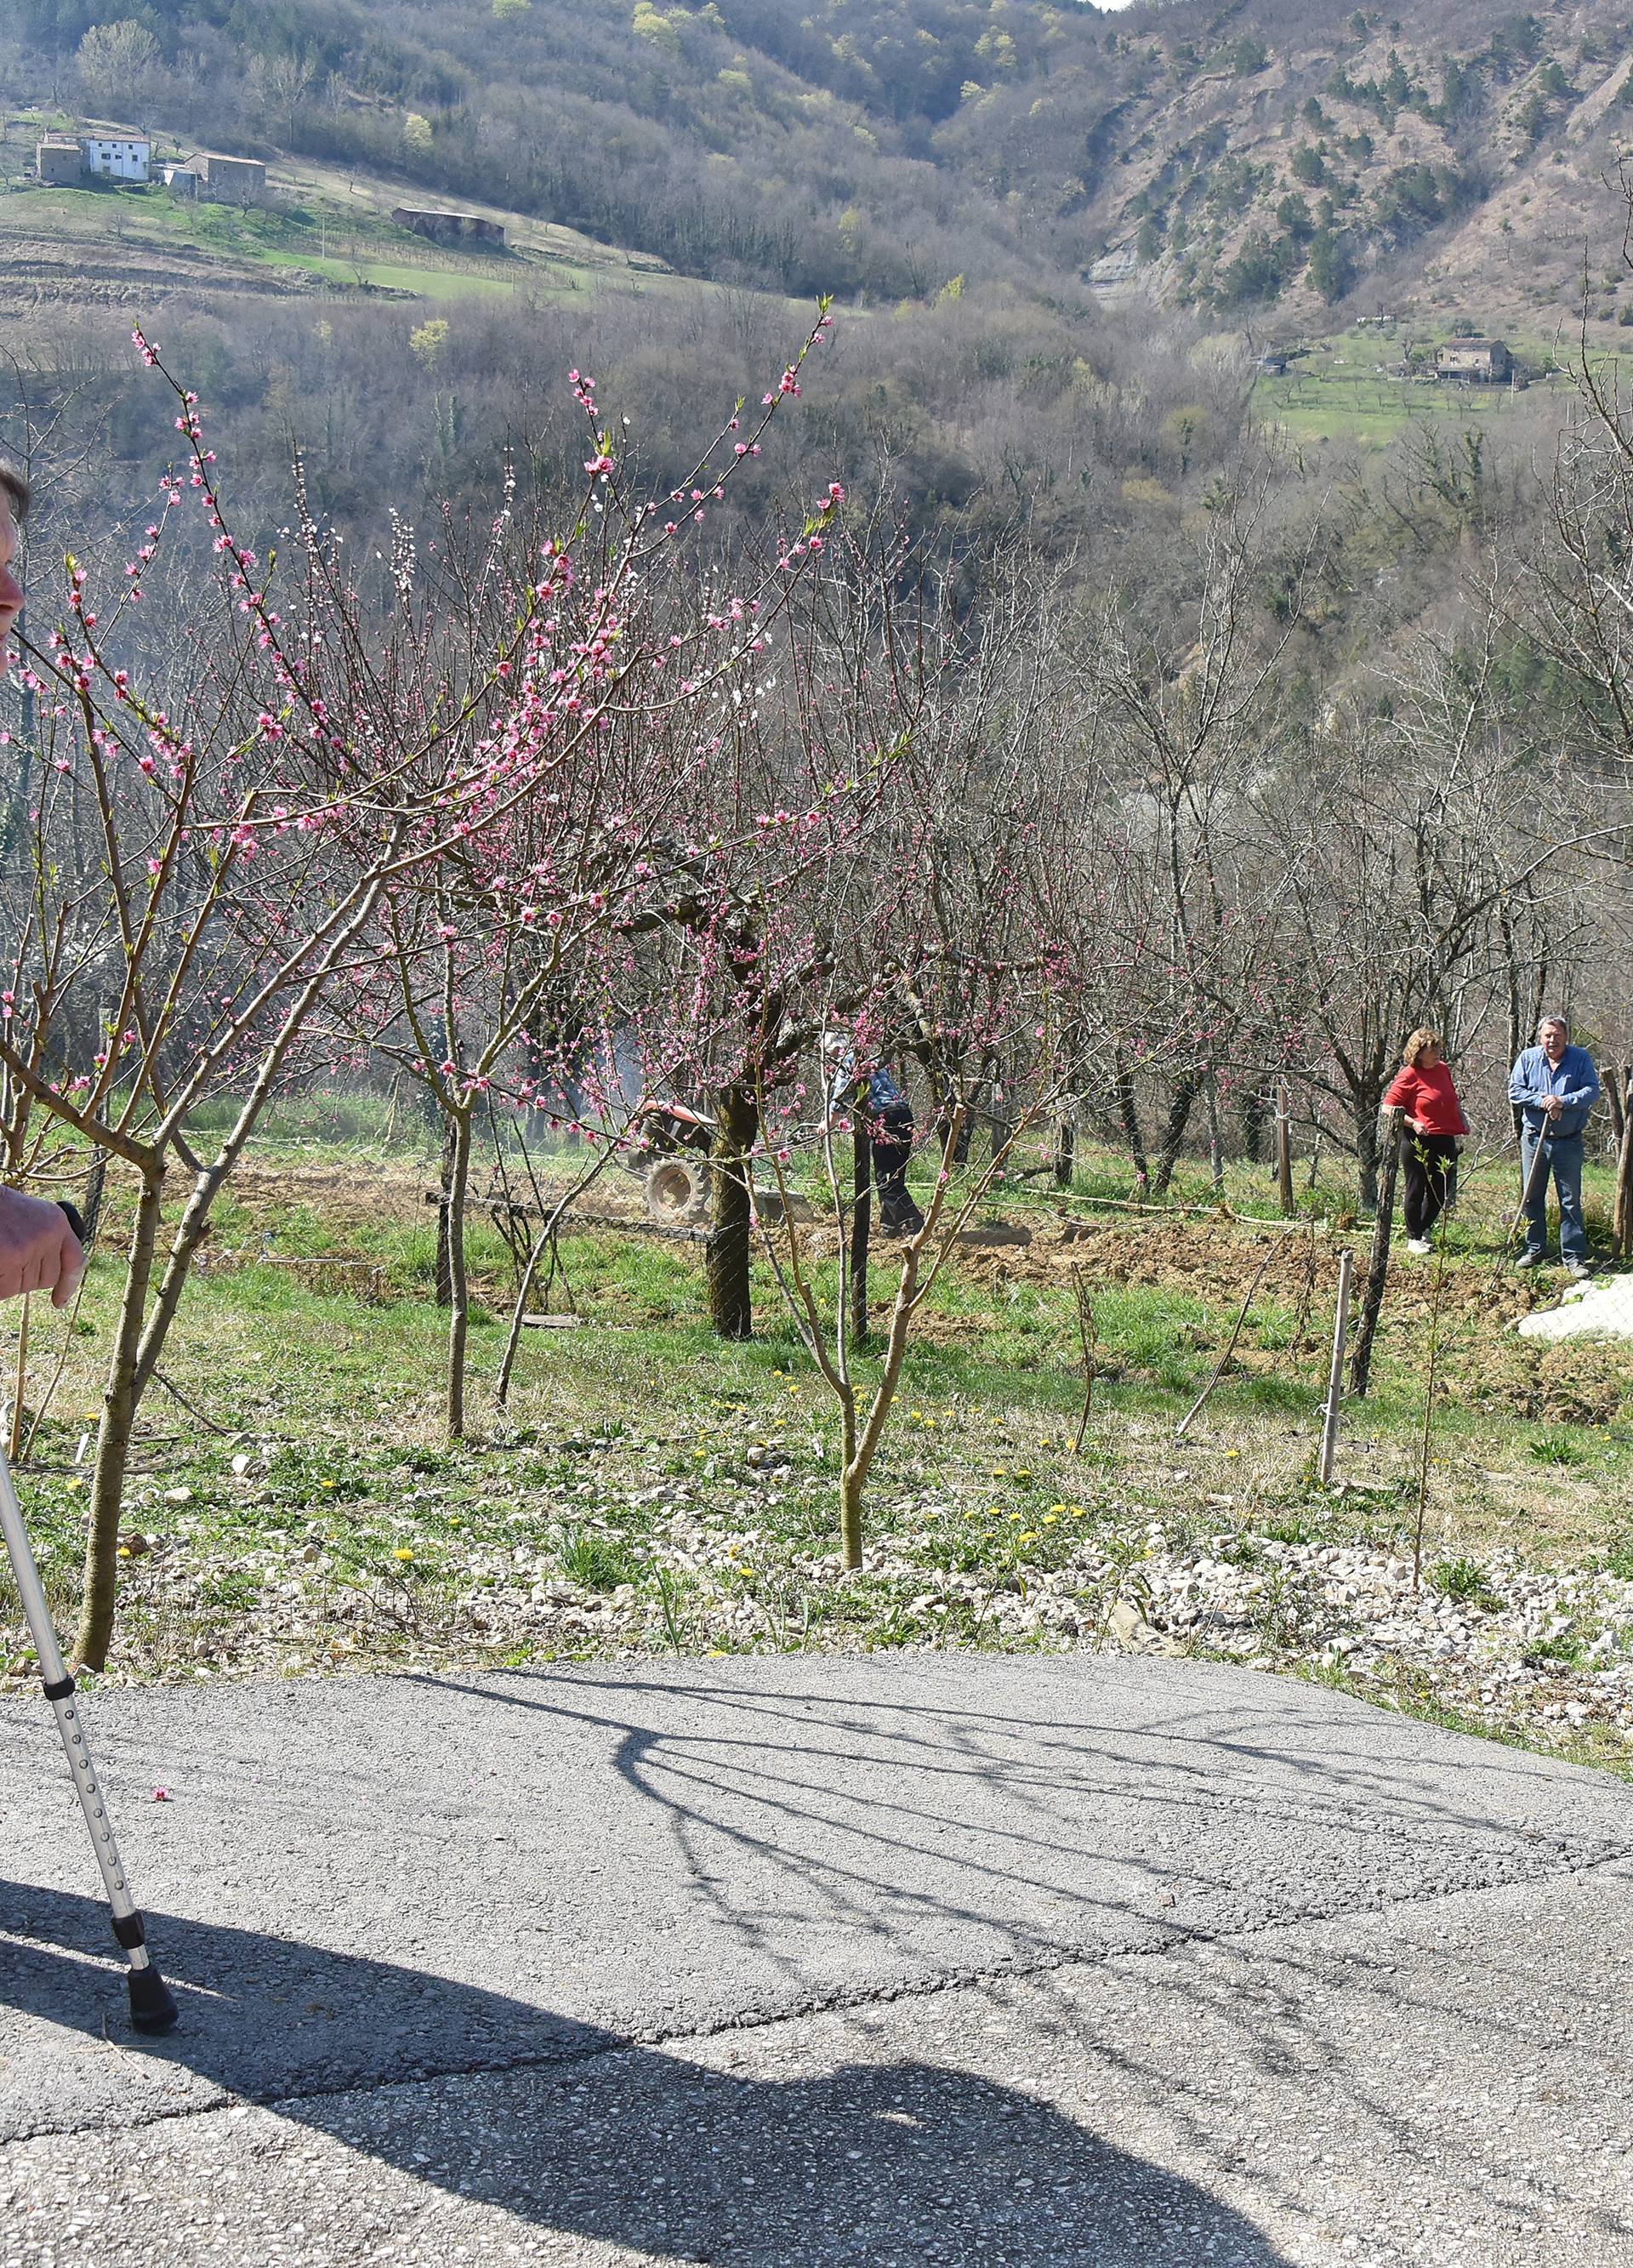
[568, 2127]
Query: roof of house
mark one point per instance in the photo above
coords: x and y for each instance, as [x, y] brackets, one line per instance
[1473, 346]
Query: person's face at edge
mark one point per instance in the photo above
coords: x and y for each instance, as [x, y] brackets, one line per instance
[11, 589]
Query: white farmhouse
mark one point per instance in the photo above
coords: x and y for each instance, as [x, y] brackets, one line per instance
[119, 157]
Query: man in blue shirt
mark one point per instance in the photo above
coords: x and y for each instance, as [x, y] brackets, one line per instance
[1556, 1086]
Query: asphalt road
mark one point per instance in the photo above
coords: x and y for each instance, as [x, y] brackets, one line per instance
[794, 1959]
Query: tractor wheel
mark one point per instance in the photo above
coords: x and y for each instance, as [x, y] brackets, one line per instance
[677, 1191]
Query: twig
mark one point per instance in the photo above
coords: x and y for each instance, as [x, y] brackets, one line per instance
[1088, 1334]
[191, 1408]
[1428, 1408]
[1335, 1372]
[1230, 1344]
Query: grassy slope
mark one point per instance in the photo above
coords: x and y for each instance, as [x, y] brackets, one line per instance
[1343, 390]
[327, 226]
[640, 1453]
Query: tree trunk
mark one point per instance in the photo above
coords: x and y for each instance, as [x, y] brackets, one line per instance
[1215, 1140]
[452, 1213]
[861, 1227]
[1128, 1111]
[1366, 1105]
[1378, 1264]
[1621, 1215]
[728, 1250]
[1616, 1097]
[850, 1487]
[1254, 1113]
[1065, 1154]
[858, 1450]
[445, 1270]
[119, 1410]
[1173, 1132]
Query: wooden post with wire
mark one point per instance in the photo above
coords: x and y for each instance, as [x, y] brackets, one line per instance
[1336, 1370]
[1284, 1149]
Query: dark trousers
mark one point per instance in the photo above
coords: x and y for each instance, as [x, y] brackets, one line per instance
[892, 1153]
[1430, 1164]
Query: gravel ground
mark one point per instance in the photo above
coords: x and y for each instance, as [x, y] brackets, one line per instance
[1525, 1651]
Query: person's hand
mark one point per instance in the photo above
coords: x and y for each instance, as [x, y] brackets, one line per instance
[39, 1251]
[1416, 1126]
[1552, 1108]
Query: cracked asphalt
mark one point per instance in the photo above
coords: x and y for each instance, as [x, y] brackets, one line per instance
[905, 1959]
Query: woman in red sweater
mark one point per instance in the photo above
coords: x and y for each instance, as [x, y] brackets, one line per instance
[1423, 1089]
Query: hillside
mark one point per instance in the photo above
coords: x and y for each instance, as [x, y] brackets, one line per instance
[1255, 162]
[322, 230]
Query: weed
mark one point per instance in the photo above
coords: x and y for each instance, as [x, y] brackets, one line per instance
[1463, 1579]
[1565, 1648]
[1555, 1449]
[600, 1563]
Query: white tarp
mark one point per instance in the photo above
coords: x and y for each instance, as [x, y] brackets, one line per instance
[1589, 1311]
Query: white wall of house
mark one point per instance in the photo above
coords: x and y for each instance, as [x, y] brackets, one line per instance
[120, 160]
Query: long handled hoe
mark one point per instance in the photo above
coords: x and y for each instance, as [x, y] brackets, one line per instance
[153, 2007]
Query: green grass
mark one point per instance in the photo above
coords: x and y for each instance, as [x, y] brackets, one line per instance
[1335, 392]
[650, 1488]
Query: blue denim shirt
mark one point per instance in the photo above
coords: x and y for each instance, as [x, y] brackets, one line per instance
[1573, 1080]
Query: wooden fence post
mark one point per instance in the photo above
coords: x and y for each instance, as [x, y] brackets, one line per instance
[1377, 1261]
[861, 1222]
[1336, 1370]
[1621, 1214]
[1284, 1149]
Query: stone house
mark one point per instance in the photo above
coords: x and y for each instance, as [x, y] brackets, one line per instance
[229, 181]
[1479, 362]
[117, 157]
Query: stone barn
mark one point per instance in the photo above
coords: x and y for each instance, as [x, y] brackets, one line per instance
[449, 228]
[59, 161]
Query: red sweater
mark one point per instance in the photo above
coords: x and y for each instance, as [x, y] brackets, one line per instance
[1429, 1097]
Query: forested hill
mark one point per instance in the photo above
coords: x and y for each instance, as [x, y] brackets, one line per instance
[1233, 159]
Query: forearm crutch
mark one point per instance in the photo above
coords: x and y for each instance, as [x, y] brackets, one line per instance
[153, 2007]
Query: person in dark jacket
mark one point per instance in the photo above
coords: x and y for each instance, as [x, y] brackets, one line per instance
[888, 1115]
[1556, 1086]
[1424, 1090]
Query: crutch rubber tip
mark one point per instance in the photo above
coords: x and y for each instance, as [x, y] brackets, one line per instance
[152, 2004]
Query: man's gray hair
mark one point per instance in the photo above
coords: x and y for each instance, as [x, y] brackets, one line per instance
[1563, 1023]
[13, 492]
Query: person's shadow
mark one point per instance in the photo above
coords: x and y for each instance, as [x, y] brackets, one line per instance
[573, 2129]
